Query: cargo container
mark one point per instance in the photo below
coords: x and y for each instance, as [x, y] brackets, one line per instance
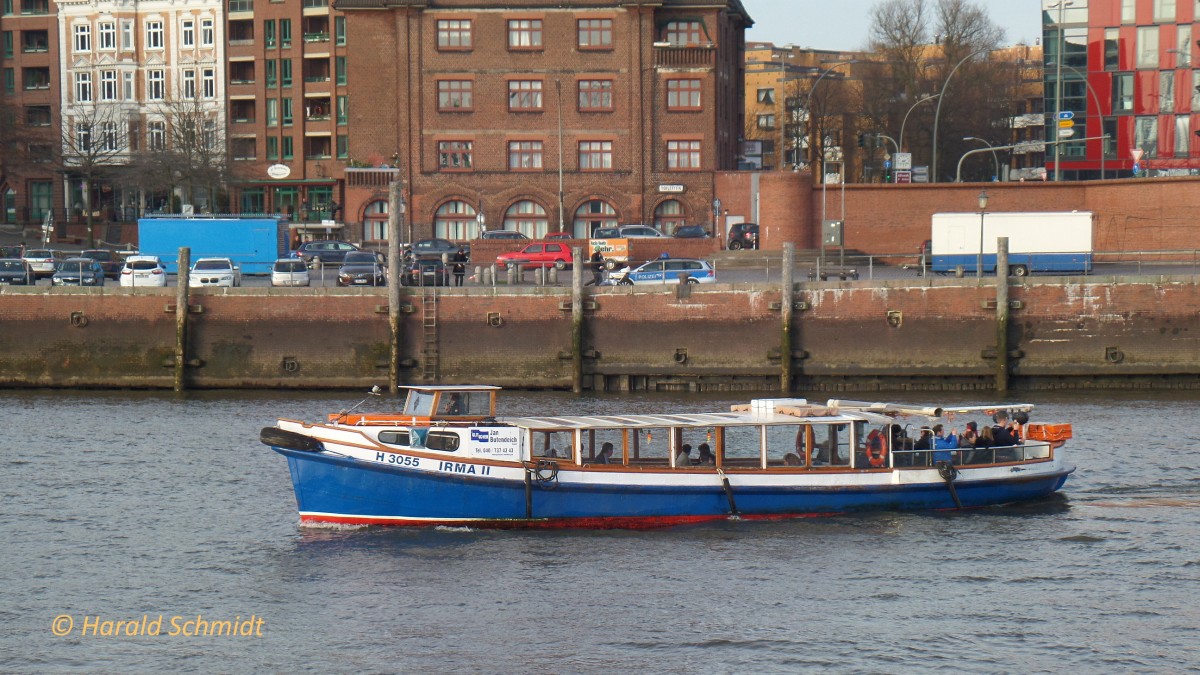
[253, 244]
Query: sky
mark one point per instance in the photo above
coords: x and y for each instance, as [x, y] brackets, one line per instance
[844, 24]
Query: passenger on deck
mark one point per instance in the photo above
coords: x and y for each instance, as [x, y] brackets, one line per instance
[943, 444]
[605, 456]
[1002, 430]
[684, 458]
[925, 442]
[707, 458]
[986, 439]
[969, 435]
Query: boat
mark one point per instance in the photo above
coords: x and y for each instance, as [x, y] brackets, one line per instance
[446, 459]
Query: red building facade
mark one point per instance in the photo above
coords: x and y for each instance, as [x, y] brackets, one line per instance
[550, 116]
[1127, 69]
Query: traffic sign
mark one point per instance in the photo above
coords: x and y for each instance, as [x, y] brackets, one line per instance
[1066, 115]
[1066, 133]
[1137, 155]
[904, 160]
[1136, 167]
[1066, 124]
[903, 176]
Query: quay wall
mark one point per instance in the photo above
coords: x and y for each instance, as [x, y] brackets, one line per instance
[936, 333]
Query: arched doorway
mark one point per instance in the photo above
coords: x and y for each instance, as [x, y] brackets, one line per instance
[669, 215]
[591, 215]
[527, 217]
[455, 220]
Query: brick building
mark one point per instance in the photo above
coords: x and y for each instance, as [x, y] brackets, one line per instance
[554, 115]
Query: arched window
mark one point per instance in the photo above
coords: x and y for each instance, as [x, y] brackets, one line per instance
[593, 214]
[455, 220]
[375, 220]
[527, 217]
[668, 216]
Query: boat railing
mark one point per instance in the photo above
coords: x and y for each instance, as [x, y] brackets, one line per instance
[1005, 454]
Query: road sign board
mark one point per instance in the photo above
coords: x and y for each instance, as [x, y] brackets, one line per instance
[903, 176]
[904, 160]
[1066, 115]
[1137, 155]
[1066, 133]
[1066, 124]
[1137, 167]
[920, 174]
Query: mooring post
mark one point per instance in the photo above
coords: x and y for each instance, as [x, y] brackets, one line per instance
[181, 317]
[786, 315]
[1002, 315]
[577, 319]
[395, 213]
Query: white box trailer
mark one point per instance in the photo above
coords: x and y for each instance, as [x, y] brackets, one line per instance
[1051, 242]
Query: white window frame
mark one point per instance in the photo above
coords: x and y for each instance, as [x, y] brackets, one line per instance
[187, 33]
[81, 43]
[156, 81]
[127, 35]
[108, 85]
[107, 36]
[208, 81]
[156, 135]
[83, 137]
[206, 32]
[109, 140]
[154, 35]
[129, 86]
[83, 87]
[187, 84]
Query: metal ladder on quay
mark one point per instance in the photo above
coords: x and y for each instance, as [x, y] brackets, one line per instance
[429, 334]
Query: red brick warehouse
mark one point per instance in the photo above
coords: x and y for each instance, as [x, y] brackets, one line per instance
[476, 102]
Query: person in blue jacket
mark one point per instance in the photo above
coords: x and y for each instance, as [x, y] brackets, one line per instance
[943, 443]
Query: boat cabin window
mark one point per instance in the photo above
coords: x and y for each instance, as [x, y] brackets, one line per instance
[595, 441]
[787, 445]
[830, 445]
[552, 445]
[465, 403]
[743, 446]
[651, 446]
[446, 441]
[703, 446]
[394, 437]
[419, 403]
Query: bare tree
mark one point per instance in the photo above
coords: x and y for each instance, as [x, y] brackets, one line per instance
[93, 144]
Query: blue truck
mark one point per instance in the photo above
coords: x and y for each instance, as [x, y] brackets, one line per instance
[253, 244]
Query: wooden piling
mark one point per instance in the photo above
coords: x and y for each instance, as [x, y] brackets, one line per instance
[181, 317]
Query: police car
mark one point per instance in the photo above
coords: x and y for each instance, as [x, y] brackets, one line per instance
[665, 271]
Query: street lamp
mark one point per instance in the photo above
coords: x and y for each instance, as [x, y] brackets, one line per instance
[930, 97]
[995, 160]
[1061, 4]
[1099, 112]
[983, 200]
[938, 111]
[481, 220]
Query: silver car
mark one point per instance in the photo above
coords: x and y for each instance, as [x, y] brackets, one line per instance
[289, 272]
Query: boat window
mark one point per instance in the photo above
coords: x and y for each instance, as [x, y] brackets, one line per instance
[831, 445]
[465, 403]
[552, 445]
[394, 437]
[786, 445]
[446, 441]
[594, 442]
[742, 446]
[701, 440]
[651, 446]
[860, 445]
[419, 403]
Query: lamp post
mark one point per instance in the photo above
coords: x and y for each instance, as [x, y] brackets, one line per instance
[900, 142]
[481, 220]
[1062, 4]
[983, 200]
[995, 159]
[717, 230]
[937, 113]
[808, 105]
[1099, 112]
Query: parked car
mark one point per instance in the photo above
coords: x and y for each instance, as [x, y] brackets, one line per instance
[13, 251]
[289, 272]
[626, 232]
[425, 272]
[691, 232]
[78, 272]
[503, 234]
[743, 235]
[327, 252]
[435, 248]
[143, 270]
[219, 272]
[16, 272]
[665, 271]
[110, 262]
[362, 268]
[42, 261]
[537, 254]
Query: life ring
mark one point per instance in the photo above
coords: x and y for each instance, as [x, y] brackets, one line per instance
[876, 449]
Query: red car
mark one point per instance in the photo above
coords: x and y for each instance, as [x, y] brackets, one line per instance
[538, 254]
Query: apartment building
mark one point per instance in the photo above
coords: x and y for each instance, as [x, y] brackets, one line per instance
[542, 117]
[29, 63]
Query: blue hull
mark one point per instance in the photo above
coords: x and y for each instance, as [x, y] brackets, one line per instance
[336, 489]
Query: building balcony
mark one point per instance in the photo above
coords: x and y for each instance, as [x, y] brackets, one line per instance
[316, 37]
[370, 178]
[691, 57]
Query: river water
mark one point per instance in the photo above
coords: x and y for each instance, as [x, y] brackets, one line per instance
[123, 505]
